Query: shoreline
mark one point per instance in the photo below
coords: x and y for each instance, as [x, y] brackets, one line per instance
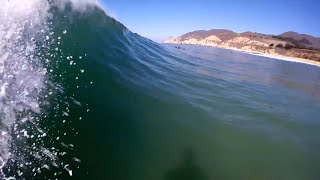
[273, 56]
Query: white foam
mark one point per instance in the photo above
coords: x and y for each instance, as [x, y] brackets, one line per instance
[68, 170]
[79, 5]
[23, 78]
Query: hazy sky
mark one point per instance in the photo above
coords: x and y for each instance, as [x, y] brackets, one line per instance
[158, 19]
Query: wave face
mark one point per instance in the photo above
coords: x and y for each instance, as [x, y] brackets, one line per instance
[83, 97]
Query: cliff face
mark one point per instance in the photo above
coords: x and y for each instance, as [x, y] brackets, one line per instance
[288, 44]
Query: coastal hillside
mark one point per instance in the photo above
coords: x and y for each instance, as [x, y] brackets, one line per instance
[222, 34]
[302, 40]
[286, 44]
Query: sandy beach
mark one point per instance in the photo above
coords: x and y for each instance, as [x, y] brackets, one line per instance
[249, 45]
[273, 56]
[278, 56]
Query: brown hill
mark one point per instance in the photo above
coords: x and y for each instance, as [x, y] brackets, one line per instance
[223, 34]
[301, 40]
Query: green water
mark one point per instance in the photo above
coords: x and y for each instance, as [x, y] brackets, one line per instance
[239, 130]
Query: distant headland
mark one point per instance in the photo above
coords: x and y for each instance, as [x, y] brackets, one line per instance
[288, 44]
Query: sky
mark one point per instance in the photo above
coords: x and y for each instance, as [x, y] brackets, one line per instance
[159, 19]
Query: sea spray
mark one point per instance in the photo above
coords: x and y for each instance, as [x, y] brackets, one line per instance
[21, 75]
[26, 89]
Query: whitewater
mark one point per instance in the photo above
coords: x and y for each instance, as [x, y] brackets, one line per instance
[24, 84]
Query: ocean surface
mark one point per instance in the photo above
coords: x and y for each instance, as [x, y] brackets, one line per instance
[82, 97]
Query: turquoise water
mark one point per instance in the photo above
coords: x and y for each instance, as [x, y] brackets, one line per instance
[115, 105]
